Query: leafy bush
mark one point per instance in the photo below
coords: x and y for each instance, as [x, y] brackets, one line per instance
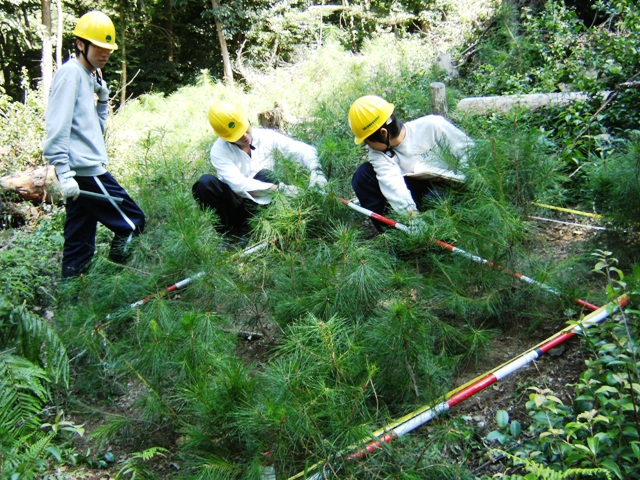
[550, 49]
[21, 133]
[615, 185]
[29, 264]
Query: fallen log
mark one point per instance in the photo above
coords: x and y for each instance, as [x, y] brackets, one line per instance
[37, 186]
[532, 101]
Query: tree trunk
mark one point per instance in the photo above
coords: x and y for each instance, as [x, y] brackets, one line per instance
[123, 53]
[352, 26]
[226, 63]
[59, 30]
[46, 63]
[170, 47]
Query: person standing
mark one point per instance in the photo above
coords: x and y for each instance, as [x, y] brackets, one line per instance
[406, 162]
[75, 146]
[243, 158]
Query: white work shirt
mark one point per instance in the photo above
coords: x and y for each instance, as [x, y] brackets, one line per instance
[420, 153]
[237, 169]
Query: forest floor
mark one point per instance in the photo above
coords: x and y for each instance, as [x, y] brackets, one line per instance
[558, 370]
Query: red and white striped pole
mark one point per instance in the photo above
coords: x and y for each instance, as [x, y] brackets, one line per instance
[187, 281]
[172, 288]
[425, 414]
[451, 248]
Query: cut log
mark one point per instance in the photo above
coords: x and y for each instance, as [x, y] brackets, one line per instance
[533, 101]
[36, 186]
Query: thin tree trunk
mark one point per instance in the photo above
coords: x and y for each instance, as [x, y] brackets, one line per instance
[46, 63]
[123, 53]
[170, 47]
[59, 29]
[226, 63]
[352, 27]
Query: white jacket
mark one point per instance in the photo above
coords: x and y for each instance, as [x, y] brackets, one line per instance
[237, 169]
[420, 153]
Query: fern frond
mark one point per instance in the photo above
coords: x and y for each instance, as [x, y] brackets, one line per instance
[24, 391]
[548, 473]
[41, 344]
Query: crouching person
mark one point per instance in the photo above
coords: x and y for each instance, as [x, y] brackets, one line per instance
[405, 161]
[243, 158]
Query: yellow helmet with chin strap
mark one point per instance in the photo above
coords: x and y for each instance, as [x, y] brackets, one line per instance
[367, 114]
[228, 120]
[97, 28]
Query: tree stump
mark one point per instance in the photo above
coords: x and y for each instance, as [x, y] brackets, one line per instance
[439, 99]
[277, 118]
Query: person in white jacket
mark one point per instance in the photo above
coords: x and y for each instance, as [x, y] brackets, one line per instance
[74, 145]
[243, 158]
[406, 161]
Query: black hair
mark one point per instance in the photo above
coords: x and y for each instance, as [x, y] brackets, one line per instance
[393, 126]
[86, 45]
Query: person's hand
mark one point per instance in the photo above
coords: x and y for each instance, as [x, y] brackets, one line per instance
[417, 226]
[288, 190]
[102, 89]
[69, 188]
[318, 179]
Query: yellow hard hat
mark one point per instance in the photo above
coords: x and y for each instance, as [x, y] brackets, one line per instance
[367, 114]
[228, 120]
[97, 28]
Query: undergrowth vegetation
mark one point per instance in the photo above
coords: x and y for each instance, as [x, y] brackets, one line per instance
[293, 352]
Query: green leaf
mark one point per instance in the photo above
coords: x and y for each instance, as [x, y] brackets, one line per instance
[594, 445]
[55, 452]
[497, 436]
[515, 429]
[581, 447]
[613, 467]
[538, 399]
[502, 418]
[606, 389]
[635, 446]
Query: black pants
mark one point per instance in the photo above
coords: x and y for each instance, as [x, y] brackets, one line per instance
[125, 220]
[233, 210]
[365, 185]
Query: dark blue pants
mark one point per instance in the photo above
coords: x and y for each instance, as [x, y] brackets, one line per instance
[233, 210]
[125, 220]
[366, 187]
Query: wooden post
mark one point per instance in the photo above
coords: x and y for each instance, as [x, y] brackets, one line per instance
[439, 99]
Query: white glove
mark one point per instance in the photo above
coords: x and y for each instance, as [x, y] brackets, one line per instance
[69, 188]
[288, 190]
[317, 178]
[418, 227]
[100, 87]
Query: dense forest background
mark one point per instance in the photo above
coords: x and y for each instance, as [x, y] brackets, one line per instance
[282, 359]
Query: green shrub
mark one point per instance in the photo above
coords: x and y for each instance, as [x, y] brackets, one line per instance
[615, 185]
[21, 133]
